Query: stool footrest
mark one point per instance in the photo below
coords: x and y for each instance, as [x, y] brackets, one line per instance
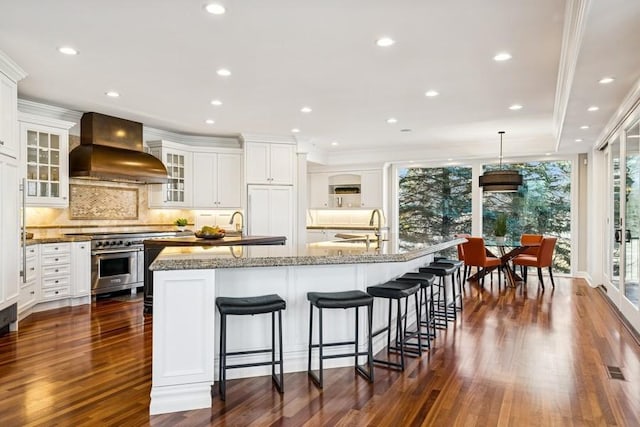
[237, 353]
[333, 344]
[251, 365]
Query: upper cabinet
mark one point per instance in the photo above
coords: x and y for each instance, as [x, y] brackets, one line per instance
[217, 180]
[45, 159]
[199, 177]
[371, 189]
[178, 191]
[8, 116]
[268, 163]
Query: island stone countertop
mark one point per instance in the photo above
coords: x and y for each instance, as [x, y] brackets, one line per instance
[321, 253]
[56, 239]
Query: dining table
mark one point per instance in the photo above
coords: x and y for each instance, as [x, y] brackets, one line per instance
[507, 251]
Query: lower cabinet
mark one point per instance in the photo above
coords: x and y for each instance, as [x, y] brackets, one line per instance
[81, 269]
[30, 287]
[55, 270]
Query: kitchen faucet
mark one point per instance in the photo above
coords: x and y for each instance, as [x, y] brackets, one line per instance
[233, 216]
[379, 227]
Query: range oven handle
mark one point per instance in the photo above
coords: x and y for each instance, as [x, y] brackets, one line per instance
[115, 251]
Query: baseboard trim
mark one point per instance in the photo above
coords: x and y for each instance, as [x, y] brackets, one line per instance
[602, 291]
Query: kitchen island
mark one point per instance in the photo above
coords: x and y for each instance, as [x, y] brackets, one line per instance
[188, 279]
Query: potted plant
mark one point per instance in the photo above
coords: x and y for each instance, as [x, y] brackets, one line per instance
[181, 223]
[500, 228]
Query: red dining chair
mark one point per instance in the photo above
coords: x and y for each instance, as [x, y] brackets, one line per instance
[475, 255]
[531, 239]
[467, 268]
[543, 258]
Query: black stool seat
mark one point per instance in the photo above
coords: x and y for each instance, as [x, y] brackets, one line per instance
[444, 269]
[346, 299]
[425, 279]
[250, 305]
[394, 289]
[442, 260]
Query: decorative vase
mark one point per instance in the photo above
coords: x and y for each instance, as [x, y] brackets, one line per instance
[181, 227]
[500, 240]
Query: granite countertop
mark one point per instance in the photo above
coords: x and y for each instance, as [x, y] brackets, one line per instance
[321, 253]
[56, 239]
[344, 227]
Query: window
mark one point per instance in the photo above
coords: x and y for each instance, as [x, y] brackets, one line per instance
[434, 205]
[541, 206]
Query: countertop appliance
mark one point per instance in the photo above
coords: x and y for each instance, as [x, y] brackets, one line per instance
[117, 258]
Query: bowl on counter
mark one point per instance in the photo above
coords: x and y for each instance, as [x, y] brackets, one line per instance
[211, 236]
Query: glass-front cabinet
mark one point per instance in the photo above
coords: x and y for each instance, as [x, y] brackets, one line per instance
[45, 148]
[178, 191]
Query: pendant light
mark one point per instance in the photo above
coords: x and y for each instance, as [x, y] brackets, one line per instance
[501, 180]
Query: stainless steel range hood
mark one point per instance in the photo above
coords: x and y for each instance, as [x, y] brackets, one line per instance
[111, 150]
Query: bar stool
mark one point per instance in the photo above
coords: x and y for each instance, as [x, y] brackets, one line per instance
[398, 290]
[445, 310]
[250, 306]
[457, 296]
[427, 298]
[331, 300]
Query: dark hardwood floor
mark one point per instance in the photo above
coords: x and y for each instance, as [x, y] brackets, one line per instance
[514, 358]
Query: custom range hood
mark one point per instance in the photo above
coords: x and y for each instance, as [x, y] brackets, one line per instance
[111, 150]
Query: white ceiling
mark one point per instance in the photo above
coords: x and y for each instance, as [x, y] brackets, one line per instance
[162, 57]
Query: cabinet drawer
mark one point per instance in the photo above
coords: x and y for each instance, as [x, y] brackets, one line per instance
[55, 248]
[32, 251]
[51, 293]
[56, 270]
[32, 265]
[56, 259]
[55, 282]
[27, 294]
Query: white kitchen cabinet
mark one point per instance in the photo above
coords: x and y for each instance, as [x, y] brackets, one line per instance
[268, 163]
[178, 191]
[55, 271]
[217, 180]
[371, 189]
[318, 190]
[81, 269]
[8, 116]
[30, 287]
[45, 158]
[270, 211]
[9, 232]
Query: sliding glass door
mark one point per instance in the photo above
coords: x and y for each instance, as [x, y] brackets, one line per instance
[623, 261]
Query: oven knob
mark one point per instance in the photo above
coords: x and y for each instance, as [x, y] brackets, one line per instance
[120, 242]
[107, 243]
[128, 244]
[98, 244]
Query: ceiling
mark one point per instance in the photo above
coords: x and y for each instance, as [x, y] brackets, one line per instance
[162, 57]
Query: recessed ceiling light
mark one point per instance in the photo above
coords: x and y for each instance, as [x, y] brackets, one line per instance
[593, 108]
[584, 127]
[216, 102]
[515, 107]
[209, 121]
[547, 154]
[67, 50]
[223, 72]
[334, 143]
[295, 130]
[392, 120]
[502, 56]
[606, 80]
[306, 109]
[385, 41]
[405, 130]
[449, 160]
[431, 93]
[112, 94]
[578, 139]
[215, 9]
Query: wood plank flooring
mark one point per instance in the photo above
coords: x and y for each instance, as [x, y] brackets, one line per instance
[513, 358]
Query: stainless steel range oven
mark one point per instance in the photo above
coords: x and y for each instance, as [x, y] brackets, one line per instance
[117, 259]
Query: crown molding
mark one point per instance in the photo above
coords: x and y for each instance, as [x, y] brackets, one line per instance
[152, 134]
[10, 68]
[629, 107]
[573, 33]
[45, 121]
[49, 111]
[273, 139]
